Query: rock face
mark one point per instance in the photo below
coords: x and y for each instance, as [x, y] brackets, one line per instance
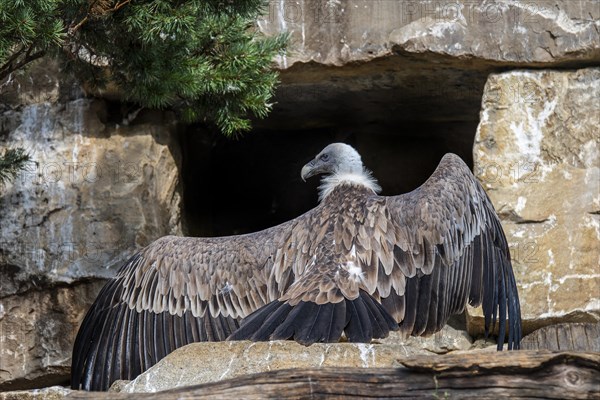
[199, 363]
[536, 153]
[339, 32]
[419, 60]
[95, 194]
[37, 331]
[49, 393]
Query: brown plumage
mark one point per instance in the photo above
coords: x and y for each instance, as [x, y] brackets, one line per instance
[357, 265]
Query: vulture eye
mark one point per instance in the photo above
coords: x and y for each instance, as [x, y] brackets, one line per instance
[324, 157]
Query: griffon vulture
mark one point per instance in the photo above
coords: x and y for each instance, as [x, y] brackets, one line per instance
[358, 265]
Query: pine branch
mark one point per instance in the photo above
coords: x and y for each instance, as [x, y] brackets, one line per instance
[12, 65]
[98, 8]
[203, 58]
[11, 162]
[28, 30]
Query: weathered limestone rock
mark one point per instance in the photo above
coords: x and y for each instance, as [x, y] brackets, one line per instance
[507, 31]
[96, 193]
[536, 153]
[41, 82]
[49, 393]
[210, 362]
[444, 341]
[339, 32]
[37, 331]
[368, 65]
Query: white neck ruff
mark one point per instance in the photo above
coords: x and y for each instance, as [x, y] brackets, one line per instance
[363, 178]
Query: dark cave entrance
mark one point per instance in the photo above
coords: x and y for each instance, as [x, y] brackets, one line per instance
[402, 114]
[244, 185]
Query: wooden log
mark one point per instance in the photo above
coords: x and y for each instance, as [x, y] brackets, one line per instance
[565, 337]
[469, 375]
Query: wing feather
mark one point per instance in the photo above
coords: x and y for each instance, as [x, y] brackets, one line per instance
[176, 291]
[450, 249]
[439, 291]
[436, 301]
[411, 297]
[395, 304]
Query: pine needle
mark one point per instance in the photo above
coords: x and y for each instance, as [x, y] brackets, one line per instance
[11, 162]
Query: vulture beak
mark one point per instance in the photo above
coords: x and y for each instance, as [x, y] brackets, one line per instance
[308, 170]
[313, 168]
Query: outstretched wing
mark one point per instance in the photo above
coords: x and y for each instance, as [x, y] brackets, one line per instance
[375, 262]
[176, 291]
[441, 247]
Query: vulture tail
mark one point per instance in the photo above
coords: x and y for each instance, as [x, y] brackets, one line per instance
[362, 319]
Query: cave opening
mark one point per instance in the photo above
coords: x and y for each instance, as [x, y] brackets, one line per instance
[244, 185]
[401, 116]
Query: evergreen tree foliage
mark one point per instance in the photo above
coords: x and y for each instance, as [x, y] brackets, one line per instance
[28, 29]
[11, 162]
[204, 58]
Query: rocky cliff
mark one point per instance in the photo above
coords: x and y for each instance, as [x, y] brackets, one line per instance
[510, 86]
[538, 157]
[97, 191]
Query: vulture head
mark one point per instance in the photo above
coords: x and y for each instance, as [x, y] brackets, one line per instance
[339, 163]
[336, 158]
